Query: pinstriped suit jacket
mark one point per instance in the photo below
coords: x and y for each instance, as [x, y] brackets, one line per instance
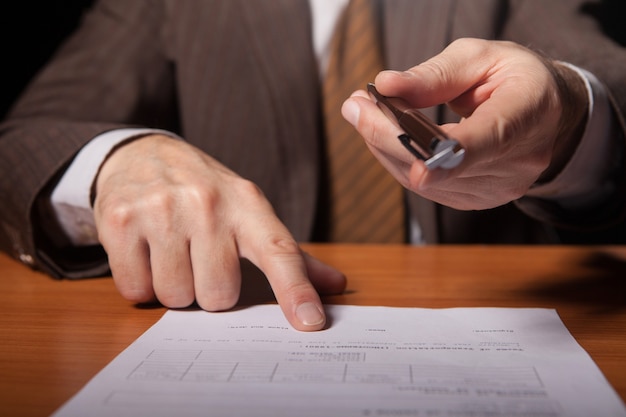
[238, 79]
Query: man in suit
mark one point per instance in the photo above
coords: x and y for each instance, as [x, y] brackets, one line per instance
[239, 82]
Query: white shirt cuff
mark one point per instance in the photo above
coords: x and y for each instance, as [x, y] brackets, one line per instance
[70, 198]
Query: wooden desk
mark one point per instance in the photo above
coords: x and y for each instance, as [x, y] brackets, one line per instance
[56, 335]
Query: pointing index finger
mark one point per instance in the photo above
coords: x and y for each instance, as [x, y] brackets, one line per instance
[283, 263]
[267, 243]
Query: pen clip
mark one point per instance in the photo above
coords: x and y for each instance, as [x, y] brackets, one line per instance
[423, 138]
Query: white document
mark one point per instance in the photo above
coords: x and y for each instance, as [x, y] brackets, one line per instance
[371, 361]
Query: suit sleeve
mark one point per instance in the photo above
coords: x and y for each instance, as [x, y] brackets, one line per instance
[112, 73]
[569, 31]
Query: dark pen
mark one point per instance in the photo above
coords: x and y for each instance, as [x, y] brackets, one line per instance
[421, 137]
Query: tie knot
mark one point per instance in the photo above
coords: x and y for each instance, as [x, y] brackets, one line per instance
[355, 46]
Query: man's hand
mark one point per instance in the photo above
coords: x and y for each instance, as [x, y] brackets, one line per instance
[175, 223]
[519, 117]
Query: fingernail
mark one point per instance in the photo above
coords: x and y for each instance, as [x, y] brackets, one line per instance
[309, 314]
[403, 74]
[350, 111]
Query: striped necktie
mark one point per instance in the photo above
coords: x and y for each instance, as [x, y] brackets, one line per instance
[366, 202]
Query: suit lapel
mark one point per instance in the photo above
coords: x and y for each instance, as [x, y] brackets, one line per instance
[255, 59]
[414, 30]
[281, 38]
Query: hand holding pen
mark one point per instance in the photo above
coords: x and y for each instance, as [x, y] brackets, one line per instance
[423, 138]
[509, 104]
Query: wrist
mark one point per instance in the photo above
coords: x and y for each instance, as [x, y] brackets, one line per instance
[117, 152]
[574, 100]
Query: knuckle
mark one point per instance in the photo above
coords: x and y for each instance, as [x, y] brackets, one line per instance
[175, 300]
[298, 291]
[210, 199]
[203, 199]
[136, 293]
[376, 135]
[439, 68]
[218, 300]
[163, 202]
[249, 191]
[282, 245]
[119, 215]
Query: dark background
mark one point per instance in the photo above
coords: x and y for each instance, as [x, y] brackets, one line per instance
[30, 32]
